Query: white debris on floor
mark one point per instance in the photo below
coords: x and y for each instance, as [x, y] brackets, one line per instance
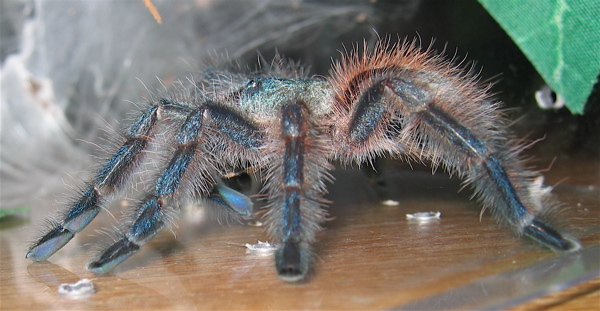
[84, 288]
[261, 248]
[424, 216]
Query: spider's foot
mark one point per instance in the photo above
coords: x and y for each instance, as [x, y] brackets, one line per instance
[113, 256]
[232, 199]
[550, 237]
[292, 262]
[49, 244]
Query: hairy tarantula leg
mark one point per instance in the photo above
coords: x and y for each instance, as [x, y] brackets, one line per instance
[108, 179]
[152, 214]
[484, 167]
[292, 259]
[296, 204]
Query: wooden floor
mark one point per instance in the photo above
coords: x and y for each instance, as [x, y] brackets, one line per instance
[369, 257]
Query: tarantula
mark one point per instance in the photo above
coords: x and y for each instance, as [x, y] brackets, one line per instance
[396, 100]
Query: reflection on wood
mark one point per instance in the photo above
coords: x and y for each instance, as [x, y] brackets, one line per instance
[369, 257]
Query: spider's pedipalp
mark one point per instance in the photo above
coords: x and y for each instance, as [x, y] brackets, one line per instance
[232, 199]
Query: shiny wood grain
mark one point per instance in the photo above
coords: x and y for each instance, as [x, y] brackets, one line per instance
[581, 297]
[369, 257]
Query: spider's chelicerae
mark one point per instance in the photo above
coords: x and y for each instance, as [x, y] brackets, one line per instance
[396, 100]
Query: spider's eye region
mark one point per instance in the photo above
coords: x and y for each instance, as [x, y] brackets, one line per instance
[253, 86]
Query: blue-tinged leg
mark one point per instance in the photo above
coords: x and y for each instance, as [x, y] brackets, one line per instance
[492, 166]
[295, 191]
[151, 216]
[495, 184]
[292, 259]
[108, 179]
[113, 256]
